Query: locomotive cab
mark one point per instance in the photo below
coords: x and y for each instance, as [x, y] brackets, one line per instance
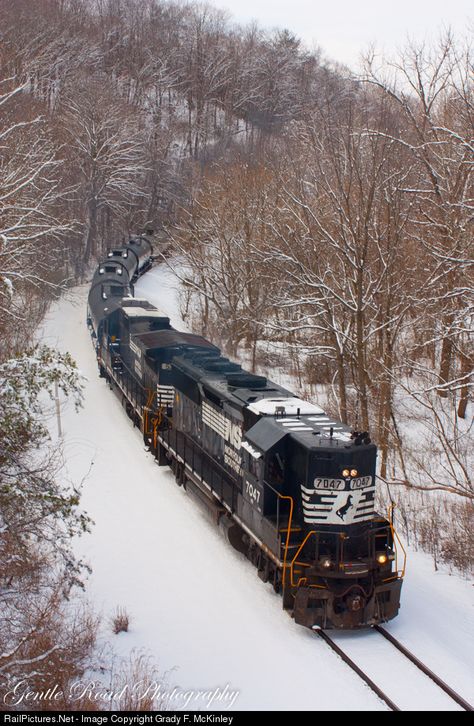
[344, 572]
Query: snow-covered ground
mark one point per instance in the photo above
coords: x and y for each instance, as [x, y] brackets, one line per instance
[196, 605]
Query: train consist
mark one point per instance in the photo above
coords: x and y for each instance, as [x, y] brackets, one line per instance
[292, 489]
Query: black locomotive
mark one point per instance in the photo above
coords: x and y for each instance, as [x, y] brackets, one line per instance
[292, 489]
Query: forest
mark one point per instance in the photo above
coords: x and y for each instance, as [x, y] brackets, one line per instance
[326, 217]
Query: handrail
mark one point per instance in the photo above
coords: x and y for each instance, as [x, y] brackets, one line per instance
[396, 539]
[300, 548]
[130, 374]
[156, 422]
[147, 409]
[287, 543]
[202, 450]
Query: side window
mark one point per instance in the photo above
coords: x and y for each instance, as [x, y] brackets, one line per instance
[276, 469]
[253, 465]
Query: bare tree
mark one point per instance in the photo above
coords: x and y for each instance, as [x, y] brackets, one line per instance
[217, 240]
[31, 195]
[106, 147]
[342, 257]
[433, 91]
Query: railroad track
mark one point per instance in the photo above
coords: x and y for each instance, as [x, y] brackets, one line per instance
[373, 686]
[459, 700]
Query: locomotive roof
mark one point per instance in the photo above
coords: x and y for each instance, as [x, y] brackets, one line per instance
[169, 338]
[291, 406]
[280, 411]
[222, 382]
[139, 312]
[138, 302]
[312, 427]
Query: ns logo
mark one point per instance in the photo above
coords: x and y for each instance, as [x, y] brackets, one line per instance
[233, 434]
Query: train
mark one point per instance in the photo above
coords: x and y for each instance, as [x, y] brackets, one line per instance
[291, 487]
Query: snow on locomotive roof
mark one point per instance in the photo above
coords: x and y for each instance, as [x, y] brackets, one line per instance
[137, 312]
[291, 406]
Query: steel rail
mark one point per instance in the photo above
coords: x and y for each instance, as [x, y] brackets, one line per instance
[424, 669]
[373, 686]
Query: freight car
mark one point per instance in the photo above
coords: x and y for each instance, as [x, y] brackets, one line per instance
[291, 488]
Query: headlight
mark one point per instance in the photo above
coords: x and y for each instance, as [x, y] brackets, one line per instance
[382, 558]
[326, 563]
[346, 473]
[354, 472]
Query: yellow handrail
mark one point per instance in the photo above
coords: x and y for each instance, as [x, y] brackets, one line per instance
[156, 423]
[284, 496]
[147, 409]
[302, 579]
[396, 539]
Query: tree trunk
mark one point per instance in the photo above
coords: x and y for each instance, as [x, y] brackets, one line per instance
[445, 364]
[360, 353]
[385, 411]
[341, 384]
[466, 370]
[254, 348]
[91, 233]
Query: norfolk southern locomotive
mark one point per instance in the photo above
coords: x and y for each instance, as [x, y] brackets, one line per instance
[292, 489]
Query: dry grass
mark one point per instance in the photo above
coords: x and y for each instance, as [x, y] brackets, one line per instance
[139, 670]
[120, 621]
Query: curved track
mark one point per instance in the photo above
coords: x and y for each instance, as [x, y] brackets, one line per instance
[377, 689]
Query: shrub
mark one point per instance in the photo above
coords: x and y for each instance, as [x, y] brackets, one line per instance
[120, 621]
